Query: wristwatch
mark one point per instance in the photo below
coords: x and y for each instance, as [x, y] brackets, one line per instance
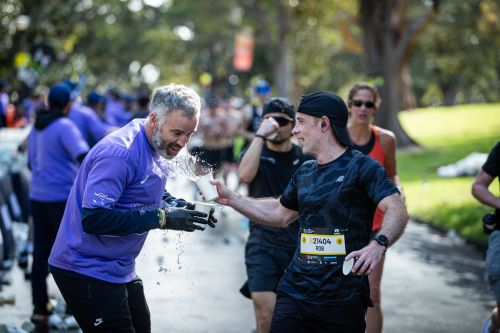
[382, 240]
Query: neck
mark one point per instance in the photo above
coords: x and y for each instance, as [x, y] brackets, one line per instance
[360, 134]
[330, 151]
[148, 128]
[280, 147]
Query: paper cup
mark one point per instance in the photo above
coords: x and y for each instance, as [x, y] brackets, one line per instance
[272, 136]
[347, 266]
[203, 208]
[208, 190]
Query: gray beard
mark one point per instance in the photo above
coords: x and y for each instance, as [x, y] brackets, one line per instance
[158, 146]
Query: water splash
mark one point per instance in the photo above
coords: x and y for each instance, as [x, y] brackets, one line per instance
[189, 166]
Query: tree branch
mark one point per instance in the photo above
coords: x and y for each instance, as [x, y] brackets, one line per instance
[411, 35]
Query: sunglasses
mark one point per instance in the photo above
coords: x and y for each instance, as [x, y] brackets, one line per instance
[357, 103]
[281, 121]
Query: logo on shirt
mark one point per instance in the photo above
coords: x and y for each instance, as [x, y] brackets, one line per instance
[340, 179]
[98, 322]
[296, 162]
[102, 199]
[144, 180]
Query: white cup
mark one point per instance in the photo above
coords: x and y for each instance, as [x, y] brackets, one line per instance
[272, 136]
[208, 190]
[203, 207]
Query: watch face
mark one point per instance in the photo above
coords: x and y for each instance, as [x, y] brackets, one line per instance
[382, 240]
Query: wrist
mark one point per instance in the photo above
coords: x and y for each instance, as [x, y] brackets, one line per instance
[162, 218]
[257, 135]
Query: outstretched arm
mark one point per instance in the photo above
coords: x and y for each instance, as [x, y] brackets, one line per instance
[267, 211]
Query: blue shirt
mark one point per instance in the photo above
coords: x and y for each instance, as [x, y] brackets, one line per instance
[123, 172]
[52, 156]
[89, 124]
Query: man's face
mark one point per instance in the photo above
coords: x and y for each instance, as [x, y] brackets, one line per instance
[174, 134]
[307, 130]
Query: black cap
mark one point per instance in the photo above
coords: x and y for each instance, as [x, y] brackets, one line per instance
[59, 96]
[280, 105]
[329, 104]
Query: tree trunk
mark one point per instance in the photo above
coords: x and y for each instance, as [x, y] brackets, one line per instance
[281, 63]
[388, 40]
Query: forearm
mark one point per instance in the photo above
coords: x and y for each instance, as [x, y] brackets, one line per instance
[484, 196]
[262, 210]
[102, 221]
[250, 162]
[394, 222]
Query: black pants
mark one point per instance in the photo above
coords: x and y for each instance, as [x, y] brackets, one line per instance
[100, 306]
[47, 217]
[293, 316]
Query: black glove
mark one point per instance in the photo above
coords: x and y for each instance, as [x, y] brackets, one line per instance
[183, 219]
[211, 218]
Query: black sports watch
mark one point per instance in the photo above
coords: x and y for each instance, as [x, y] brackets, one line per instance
[382, 240]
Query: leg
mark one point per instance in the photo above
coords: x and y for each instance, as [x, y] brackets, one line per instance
[289, 317]
[340, 318]
[139, 310]
[263, 304]
[374, 316]
[46, 220]
[97, 306]
[495, 320]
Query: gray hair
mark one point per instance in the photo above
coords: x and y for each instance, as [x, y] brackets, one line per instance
[173, 97]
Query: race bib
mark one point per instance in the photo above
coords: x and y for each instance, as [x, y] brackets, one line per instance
[323, 246]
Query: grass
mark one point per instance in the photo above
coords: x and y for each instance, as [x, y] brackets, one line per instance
[446, 135]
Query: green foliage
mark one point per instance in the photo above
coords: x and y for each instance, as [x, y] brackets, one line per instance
[447, 135]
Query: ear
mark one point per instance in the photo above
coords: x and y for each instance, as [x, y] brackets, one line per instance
[324, 123]
[154, 120]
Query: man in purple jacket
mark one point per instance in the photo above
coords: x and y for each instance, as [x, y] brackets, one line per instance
[115, 200]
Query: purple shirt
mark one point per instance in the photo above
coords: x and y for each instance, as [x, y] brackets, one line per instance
[87, 121]
[52, 156]
[122, 172]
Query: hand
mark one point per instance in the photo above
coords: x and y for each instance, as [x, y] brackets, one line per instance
[367, 258]
[225, 193]
[211, 218]
[268, 127]
[183, 219]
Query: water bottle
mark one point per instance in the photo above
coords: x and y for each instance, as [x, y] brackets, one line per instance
[489, 223]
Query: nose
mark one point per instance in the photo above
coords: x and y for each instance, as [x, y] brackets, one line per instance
[183, 140]
[295, 130]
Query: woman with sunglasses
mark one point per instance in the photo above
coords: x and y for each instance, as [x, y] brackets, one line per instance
[380, 144]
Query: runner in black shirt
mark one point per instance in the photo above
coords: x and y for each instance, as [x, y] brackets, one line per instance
[267, 166]
[334, 198]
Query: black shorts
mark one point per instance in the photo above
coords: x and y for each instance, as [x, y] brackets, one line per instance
[100, 306]
[293, 316]
[265, 266]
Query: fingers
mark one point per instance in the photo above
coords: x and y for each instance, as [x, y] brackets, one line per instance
[190, 206]
[196, 213]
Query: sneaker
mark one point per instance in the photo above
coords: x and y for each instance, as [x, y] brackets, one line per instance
[486, 326]
[40, 319]
[23, 259]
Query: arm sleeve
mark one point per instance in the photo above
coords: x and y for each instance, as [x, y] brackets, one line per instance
[73, 142]
[171, 201]
[492, 164]
[101, 221]
[105, 183]
[374, 180]
[289, 199]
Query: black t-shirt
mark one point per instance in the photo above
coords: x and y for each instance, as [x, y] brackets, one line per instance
[274, 173]
[492, 166]
[342, 194]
